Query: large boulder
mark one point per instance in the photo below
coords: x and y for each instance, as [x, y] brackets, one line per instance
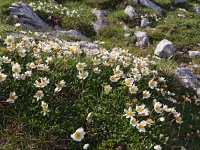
[23, 14]
[151, 5]
[164, 49]
[130, 12]
[101, 19]
[142, 39]
[187, 78]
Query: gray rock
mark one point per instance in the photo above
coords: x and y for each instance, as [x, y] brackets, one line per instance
[88, 45]
[101, 19]
[130, 12]
[23, 14]
[197, 9]
[73, 34]
[164, 49]
[194, 53]
[180, 1]
[144, 22]
[142, 39]
[151, 5]
[187, 78]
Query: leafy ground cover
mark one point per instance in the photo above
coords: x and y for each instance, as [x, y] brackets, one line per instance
[57, 95]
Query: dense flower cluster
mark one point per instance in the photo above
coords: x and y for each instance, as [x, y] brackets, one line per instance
[145, 88]
[52, 8]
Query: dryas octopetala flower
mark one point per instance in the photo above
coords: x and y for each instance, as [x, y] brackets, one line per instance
[149, 121]
[12, 97]
[158, 107]
[133, 122]
[178, 118]
[141, 126]
[45, 108]
[146, 94]
[5, 59]
[129, 112]
[43, 82]
[157, 147]
[78, 135]
[114, 78]
[152, 84]
[133, 89]
[16, 68]
[39, 95]
[128, 81]
[89, 117]
[59, 86]
[83, 75]
[145, 71]
[2, 77]
[80, 66]
[9, 40]
[85, 146]
[107, 89]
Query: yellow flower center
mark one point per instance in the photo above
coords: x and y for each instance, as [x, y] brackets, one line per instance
[157, 108]
[12, 97]
[139, 109]
[133, 121]
[1, 77]
[9, 40]
[15, 69]
[140, 126]
[130, 112]
[77, 134]
[149, 121]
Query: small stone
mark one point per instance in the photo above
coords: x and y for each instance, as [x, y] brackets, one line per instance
[144, 22]
[151, 5]
[180, 1]
[197, 9]
[194, 53]
[142, 39]
[130, 12]
[187, 78]
[164, 49]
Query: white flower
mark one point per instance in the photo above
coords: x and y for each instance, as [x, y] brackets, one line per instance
[157, 107]
[161, 119]
[107, 89]
[128, 81]
[129, 112]
[152, 84]
[157, 147]
[2, 77]
[80, 66]
[133, 89]
[86, 146]
[43, 82]
[83, 75]
[9, 40]
[198, 92]
[146, 94]
[133, 122]
[28, 73]
[141, 126]
[45, 108]
[39, 95]
[114, 78]
[89, 117]
[145, 71]
[178, 118]
[78, 135]
[5, 60]
[161, 79]
[16, 68]
[17, 24]
[59, 86]
[12, 97]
